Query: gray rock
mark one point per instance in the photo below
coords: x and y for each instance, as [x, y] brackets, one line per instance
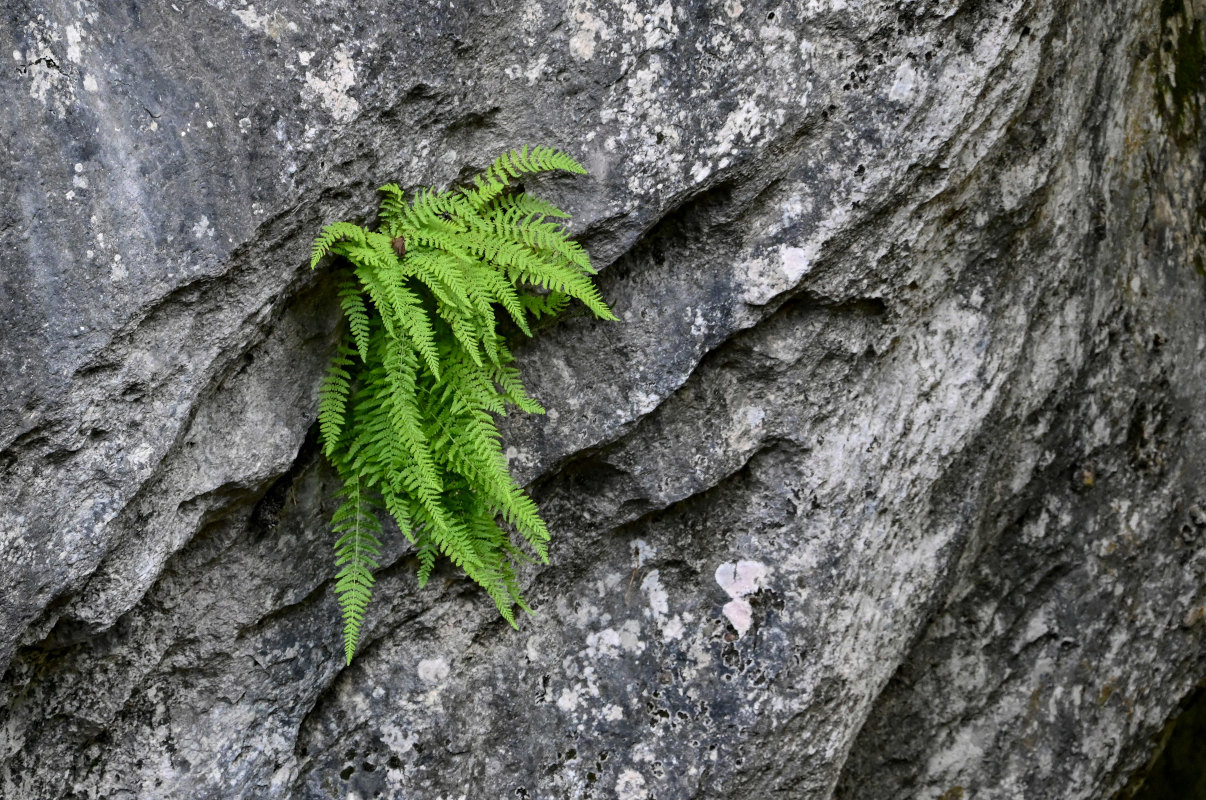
[888, 485]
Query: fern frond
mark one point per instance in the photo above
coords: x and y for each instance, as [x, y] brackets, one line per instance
[356, 553]
[333, 399]
[491, 183]
[407, 407]
[536, 159]
[354, 310]
[427, 554]
[392, 206]
[525, 204]
[441, 274]
[513, 389]
[549, 305]
[333, 233]
[542, 237]
[559, 278]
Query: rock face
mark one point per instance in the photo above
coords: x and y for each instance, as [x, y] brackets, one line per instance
[890, 484]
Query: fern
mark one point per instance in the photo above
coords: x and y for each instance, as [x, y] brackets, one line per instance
[407, 408]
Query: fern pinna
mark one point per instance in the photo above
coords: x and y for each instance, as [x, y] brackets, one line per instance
[405, 410]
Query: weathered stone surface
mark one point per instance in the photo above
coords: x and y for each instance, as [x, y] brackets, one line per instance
[890, 483]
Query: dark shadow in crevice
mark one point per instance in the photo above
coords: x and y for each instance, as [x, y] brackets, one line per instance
[1177, 770]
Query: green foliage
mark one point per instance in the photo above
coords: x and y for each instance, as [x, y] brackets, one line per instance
[406, 407]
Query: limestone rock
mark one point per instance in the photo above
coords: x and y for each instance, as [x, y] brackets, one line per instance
[888, 484]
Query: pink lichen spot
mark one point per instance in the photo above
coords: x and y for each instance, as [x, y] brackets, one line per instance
[742, 578]
[740, 614]
[738, 580]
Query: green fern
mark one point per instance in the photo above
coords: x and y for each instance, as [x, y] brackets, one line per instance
[407, 408]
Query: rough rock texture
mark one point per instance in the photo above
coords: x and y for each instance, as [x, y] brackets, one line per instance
[890, 484]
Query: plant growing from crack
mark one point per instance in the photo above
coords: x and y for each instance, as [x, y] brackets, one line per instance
[406, 410]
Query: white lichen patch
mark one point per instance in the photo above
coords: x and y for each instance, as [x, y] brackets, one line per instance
[274, 25]
[532, 72]
[433, 670]
[823, 6]
[606, 585]
[905, 83]
[397, 739]
[630, 637]
[673, 629]
[793, 210]
[659, 27]
[644, 402]
[659, 600]
[332, 86]
[48, 84]
[581, 615]
[569, 700]
[588, 28]
[795, 262]
[612, 643]
[772, 273]
[604, 644]
[571, 697]
[743, 125]
[643, 551]
[74, 37]
[532, 650]
[520, 458]
[631, 786]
